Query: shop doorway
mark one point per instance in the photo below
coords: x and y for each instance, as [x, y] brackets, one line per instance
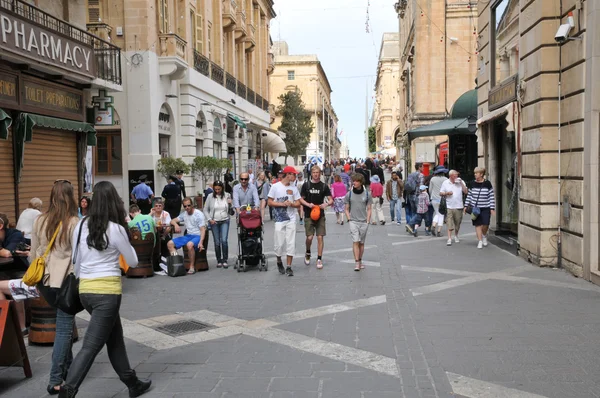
[506, 184]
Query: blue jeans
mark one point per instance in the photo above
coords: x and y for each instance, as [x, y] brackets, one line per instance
[62, 354]
[396, 209]
[104, 328]
[429, 216]
[220, 232]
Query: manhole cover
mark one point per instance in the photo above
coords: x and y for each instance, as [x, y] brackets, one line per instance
[183, 327]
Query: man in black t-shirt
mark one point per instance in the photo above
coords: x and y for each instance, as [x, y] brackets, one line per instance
[315, 194]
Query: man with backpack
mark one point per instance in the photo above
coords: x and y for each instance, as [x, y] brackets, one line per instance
[411, 190]
[315, 193]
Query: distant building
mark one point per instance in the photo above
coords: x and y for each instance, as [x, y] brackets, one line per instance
[305, 73]
[386, 112]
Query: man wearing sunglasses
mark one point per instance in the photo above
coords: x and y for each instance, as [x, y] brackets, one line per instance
[195, 225]
[245, 194]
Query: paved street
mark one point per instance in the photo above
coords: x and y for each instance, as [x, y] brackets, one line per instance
[423, 320]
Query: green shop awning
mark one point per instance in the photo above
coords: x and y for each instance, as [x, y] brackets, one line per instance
[237, 120]
[5, 122]
[28, 121]
[445, 127]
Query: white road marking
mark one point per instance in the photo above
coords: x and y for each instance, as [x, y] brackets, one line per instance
[338, 352]
[473, 388]
[368, 263]
[472, 277]
[406, 235]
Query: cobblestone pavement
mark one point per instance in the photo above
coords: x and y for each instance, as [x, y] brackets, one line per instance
[423, 320]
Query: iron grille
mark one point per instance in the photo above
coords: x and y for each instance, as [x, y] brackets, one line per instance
[180, 328]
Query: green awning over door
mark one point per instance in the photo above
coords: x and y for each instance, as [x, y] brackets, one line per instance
[5, 122]
[237, 120]
[29, 121]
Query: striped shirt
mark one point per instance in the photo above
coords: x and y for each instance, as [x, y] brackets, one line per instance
[481, 194]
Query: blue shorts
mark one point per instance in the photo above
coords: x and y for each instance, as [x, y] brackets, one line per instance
[183, 240]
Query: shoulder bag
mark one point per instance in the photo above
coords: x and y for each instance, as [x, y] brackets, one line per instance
[35, 272]
[67, 299]
[474, 211]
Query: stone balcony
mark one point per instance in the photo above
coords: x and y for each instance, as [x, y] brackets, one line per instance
[250, 41]
[229, 15]
[172, 56]
[241, 30]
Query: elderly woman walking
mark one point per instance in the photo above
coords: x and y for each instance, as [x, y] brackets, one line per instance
[435, 185]
[481, 204]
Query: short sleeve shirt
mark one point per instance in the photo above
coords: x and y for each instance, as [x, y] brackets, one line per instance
[358, 205]
[280, 193]
[314, 193]
[144, 223]
[193, 222]
[454, 201]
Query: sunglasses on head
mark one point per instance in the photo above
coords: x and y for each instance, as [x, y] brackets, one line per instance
[62, 180]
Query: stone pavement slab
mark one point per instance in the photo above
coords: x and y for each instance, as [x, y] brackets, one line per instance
[426, 321]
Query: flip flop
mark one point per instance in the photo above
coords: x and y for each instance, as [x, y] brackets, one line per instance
[191, 271]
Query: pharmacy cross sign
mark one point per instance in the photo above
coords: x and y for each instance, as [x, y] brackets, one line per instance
[102, 101]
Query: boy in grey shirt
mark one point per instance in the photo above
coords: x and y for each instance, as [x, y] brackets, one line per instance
[358, 211]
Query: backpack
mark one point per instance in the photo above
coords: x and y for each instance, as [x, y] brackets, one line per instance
[410, 186]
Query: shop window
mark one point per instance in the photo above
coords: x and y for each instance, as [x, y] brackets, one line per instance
[163, 145]
[109, 159]
[291, 75]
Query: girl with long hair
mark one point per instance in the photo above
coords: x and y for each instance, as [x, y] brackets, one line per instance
[84, 206]
[216, 211]
[98, 241]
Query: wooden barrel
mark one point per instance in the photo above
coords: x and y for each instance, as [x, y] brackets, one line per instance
[145, 254]
[43, 322]
[201, 260]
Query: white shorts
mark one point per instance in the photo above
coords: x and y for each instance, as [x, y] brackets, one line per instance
[20, 291]
[284, 242]
[358, 231]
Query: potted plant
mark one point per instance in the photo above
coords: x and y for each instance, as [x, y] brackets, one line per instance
[169, 166]
[202, 168]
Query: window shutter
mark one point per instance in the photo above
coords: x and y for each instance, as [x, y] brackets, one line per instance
[199, 33]
[94, 11]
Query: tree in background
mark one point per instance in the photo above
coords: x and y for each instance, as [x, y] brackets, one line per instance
[372, 139]
[295, 122]
[169, 166]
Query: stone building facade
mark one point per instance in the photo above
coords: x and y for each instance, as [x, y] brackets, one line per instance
[386, 116]
[306, 74]
[539, 125]
[437, 41]
[195, 82]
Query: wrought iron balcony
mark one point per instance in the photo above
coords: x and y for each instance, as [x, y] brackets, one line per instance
[241, 89]
[106, 56]
[201, 63]
[172, 45]
[216, 73]
[251, 97]
[230, 83]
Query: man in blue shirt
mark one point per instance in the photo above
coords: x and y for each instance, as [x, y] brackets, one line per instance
[245, 194]
[142, 195]
[195, 225]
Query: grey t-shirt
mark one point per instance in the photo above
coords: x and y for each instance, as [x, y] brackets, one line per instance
[434, 187]
[358, 205]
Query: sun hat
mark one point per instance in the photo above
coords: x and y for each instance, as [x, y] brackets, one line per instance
[375, 178]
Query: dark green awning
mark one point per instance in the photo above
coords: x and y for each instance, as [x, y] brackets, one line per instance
[445, 127]
[5, 122]
[29, 120]
[237, 120]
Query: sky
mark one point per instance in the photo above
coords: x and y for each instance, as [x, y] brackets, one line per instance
[335, 30]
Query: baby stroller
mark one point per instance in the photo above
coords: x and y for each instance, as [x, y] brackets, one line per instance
[250, 242]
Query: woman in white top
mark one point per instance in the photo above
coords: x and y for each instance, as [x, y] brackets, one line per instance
[98, 241]
[216, 211]
[435, 184]
[27, 218]
[161, 217]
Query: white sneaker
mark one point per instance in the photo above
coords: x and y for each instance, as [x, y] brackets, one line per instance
[480, 245]
[319, 264]
[456, 240]
[485, 243]
[449, 243]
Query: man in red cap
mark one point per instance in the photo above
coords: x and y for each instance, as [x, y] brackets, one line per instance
[284, 199]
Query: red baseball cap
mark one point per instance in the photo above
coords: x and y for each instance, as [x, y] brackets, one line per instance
[289, 169]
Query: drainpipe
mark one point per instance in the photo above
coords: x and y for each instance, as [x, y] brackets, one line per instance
[558, 202]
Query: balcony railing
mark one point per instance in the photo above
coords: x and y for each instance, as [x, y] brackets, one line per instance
[241, 90]
[216, 73]
[230, 82]
[251, 97]
[201, 63]
[106, 55]
[172, 45]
